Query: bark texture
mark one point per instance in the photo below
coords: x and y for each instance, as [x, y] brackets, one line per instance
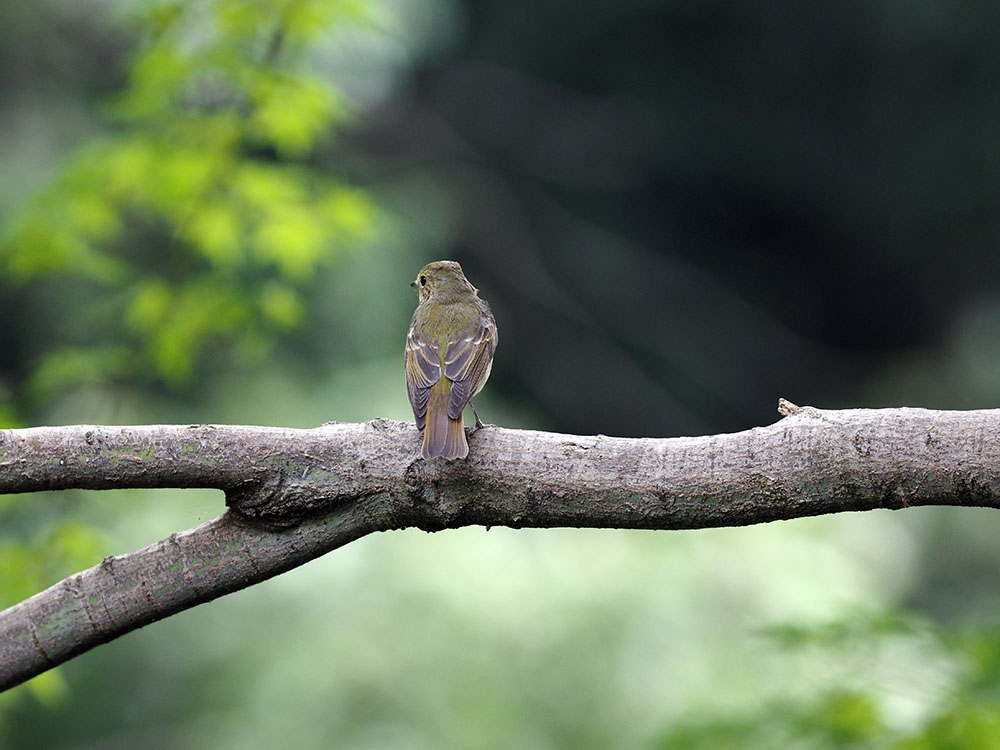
[296, 494]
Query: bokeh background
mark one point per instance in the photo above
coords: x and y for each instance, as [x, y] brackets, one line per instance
[679, 211]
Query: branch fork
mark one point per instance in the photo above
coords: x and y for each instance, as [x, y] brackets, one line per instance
[294, 495]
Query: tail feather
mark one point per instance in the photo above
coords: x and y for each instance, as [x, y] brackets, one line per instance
[443, 437]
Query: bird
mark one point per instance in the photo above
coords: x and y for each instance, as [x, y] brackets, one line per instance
[449, 356]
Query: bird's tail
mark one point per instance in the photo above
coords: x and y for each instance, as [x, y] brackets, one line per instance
[443, 437]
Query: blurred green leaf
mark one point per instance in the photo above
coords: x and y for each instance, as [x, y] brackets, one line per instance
[845, 719]
[150, 305]
[262, 186]
[281, 305]
[200, 311]
[48, 688]
[350, 212]
[291, 113]
[69, 367]
[8, 420]
[291, 238]
[981, 649]
[215, 231]
[68, 546]
[967, 727]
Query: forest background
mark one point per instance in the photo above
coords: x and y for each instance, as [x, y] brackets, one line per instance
[210, 212]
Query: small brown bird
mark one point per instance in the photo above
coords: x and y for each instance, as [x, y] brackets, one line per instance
[449, 355]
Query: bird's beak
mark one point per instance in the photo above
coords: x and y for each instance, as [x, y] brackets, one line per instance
[414, 283]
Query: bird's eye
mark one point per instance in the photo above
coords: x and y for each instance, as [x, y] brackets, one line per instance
[423, 281]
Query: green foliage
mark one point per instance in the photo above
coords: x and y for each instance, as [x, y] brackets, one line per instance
[69, 546]
[37, 548]
[967, 718]
[181, 240]
[967, 726]
[199, 217]
[840, 719]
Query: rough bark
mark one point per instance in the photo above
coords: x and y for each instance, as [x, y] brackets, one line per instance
[296, 494]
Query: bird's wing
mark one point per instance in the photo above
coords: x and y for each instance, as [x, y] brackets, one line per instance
[467, 364]
[423, 369]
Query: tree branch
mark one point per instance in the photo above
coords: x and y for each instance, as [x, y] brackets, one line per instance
[296, 494]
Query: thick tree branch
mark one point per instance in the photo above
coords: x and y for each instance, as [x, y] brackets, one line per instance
[296, 494]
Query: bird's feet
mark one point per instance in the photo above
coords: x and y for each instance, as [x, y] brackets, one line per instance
[479, 423]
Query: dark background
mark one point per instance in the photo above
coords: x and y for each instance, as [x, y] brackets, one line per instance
[683, 211]
[679, 212]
